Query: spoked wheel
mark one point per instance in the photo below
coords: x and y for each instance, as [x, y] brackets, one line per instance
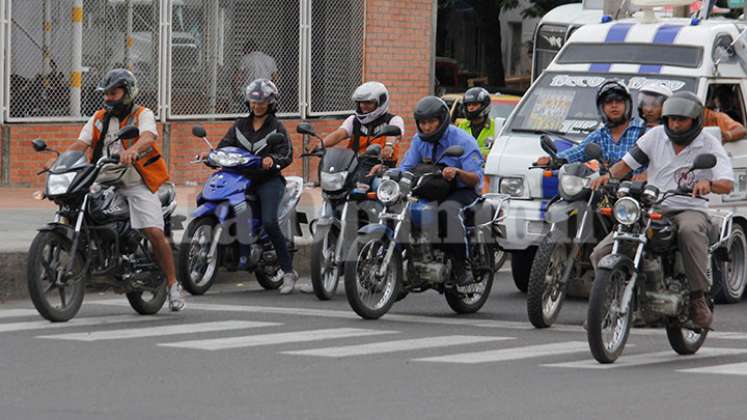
[197, 270]
[545, 294]
[369, 294]
[685, 341]
[56, 293]
[150, 300]
[470, 298]
[730, 277]
[325, 273]
[499, 258]
[608, 327]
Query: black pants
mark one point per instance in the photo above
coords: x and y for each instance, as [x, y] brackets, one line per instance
[270, 194]
[450, 226]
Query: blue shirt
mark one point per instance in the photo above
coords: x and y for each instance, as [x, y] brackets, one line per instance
[422, 152]
[611, 151]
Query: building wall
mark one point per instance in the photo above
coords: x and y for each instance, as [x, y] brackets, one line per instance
[397, 52]
[513, 16]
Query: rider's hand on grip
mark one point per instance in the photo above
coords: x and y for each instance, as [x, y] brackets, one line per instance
[600, 182]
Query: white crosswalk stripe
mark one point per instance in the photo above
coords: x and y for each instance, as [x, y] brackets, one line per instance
[514, 353]
[17, 313]
[398, 345]
[649, 359]
[78, 322]
[727, 369]
[160, 331]
[278, 338]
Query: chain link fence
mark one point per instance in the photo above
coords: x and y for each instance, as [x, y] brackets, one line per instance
[215, 48]
[337, 28]
[42, 51]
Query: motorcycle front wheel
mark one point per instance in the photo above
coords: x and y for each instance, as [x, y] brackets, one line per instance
[325, 273]
[196, 269]
[370, 295]
[56, 293]
[608, 329]
[545, 294]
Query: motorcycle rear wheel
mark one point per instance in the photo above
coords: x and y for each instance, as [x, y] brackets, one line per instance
[471, 298]
[684, 341]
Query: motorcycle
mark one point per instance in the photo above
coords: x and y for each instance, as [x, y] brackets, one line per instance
[653, 283]
[91, 240]
[385, 251]
[226, 229]
[576, 209]
[347, 205]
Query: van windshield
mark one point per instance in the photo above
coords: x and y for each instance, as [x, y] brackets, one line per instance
[565, 103]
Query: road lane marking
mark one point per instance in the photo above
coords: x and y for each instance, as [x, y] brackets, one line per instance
[645, 359]
[397, 345]
[160, 331]
[278, 338]
[728, 369]
[515, 353]
[78, 322]
[16, 313]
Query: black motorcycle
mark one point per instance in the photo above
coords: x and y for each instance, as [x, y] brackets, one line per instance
[91, 241]
[579, 218]
[347, 206]
[645, 273]
[404, 242]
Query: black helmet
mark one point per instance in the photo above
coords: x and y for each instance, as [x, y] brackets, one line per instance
[432, 107]
[476, 95]
[262, 90]
[610, 90]
[117, 78]
[687, 105]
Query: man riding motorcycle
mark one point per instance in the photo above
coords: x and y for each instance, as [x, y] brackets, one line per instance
[650, 101]
[435, 134]
[147, 173]
[669, 150]
[476, 106]
[371, 111]
[261, 97]
[618, 133]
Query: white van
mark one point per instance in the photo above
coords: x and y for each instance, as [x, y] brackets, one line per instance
[683, 54]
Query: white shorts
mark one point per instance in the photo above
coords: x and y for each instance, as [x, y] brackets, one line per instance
[145, 207]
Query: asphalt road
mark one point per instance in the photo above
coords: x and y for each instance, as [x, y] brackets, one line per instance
[244, 353]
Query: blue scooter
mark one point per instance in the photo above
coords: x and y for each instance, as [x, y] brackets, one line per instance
[226, 229]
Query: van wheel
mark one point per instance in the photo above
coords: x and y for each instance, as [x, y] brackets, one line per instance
[521, 267]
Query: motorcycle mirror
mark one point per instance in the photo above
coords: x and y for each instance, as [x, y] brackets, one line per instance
[305, 128]
[275, 139]
[593, 151]
[199, 131]
[373, 150]
[128, 133]
[39, 145]
[454, 151]
[548, 145]
[388, 130]
[704, 161]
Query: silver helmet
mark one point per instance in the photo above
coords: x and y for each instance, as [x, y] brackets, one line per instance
[375, 92]
[683, 105]
[262, 90]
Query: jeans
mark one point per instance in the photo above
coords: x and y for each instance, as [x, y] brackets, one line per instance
[270, 194]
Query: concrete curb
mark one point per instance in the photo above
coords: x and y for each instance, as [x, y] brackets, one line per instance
[13, 272]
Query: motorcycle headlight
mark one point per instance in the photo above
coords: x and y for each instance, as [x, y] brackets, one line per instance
[225, 159]
[59, 183]
[571, 185]
[333, 182]
[512, 186]
[627, 211]
[388, 192]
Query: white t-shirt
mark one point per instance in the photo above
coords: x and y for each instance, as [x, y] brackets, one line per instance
[666, 169]
[146, 122]
[347, 125]
[257, 65]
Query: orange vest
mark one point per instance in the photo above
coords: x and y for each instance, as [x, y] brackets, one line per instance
[151, 167]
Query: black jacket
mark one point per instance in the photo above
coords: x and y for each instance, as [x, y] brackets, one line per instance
[243, 132]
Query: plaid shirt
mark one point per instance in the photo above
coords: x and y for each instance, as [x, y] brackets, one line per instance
[611, 150]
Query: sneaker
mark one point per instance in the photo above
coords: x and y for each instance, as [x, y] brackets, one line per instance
[305, 287]
[176, 300]
[700, 313]
[289, 282]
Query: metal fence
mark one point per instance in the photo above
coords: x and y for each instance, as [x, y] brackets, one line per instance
[191, 57]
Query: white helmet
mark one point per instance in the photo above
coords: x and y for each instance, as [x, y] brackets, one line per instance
[653, 94]
[371, 91]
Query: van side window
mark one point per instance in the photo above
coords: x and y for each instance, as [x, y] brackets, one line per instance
[727, 98]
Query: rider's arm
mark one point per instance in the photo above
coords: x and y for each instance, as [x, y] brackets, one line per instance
[620, 169]
[470, 174]
[335, 137]
[722, 186]
[730, 130]
[412, 157]
[576, 153]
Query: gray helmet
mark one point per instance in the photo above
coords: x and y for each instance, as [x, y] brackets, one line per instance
[262, 90]
[119, 78]
[371, 91]
[432, 107]
[476, 95]
[685, 105]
